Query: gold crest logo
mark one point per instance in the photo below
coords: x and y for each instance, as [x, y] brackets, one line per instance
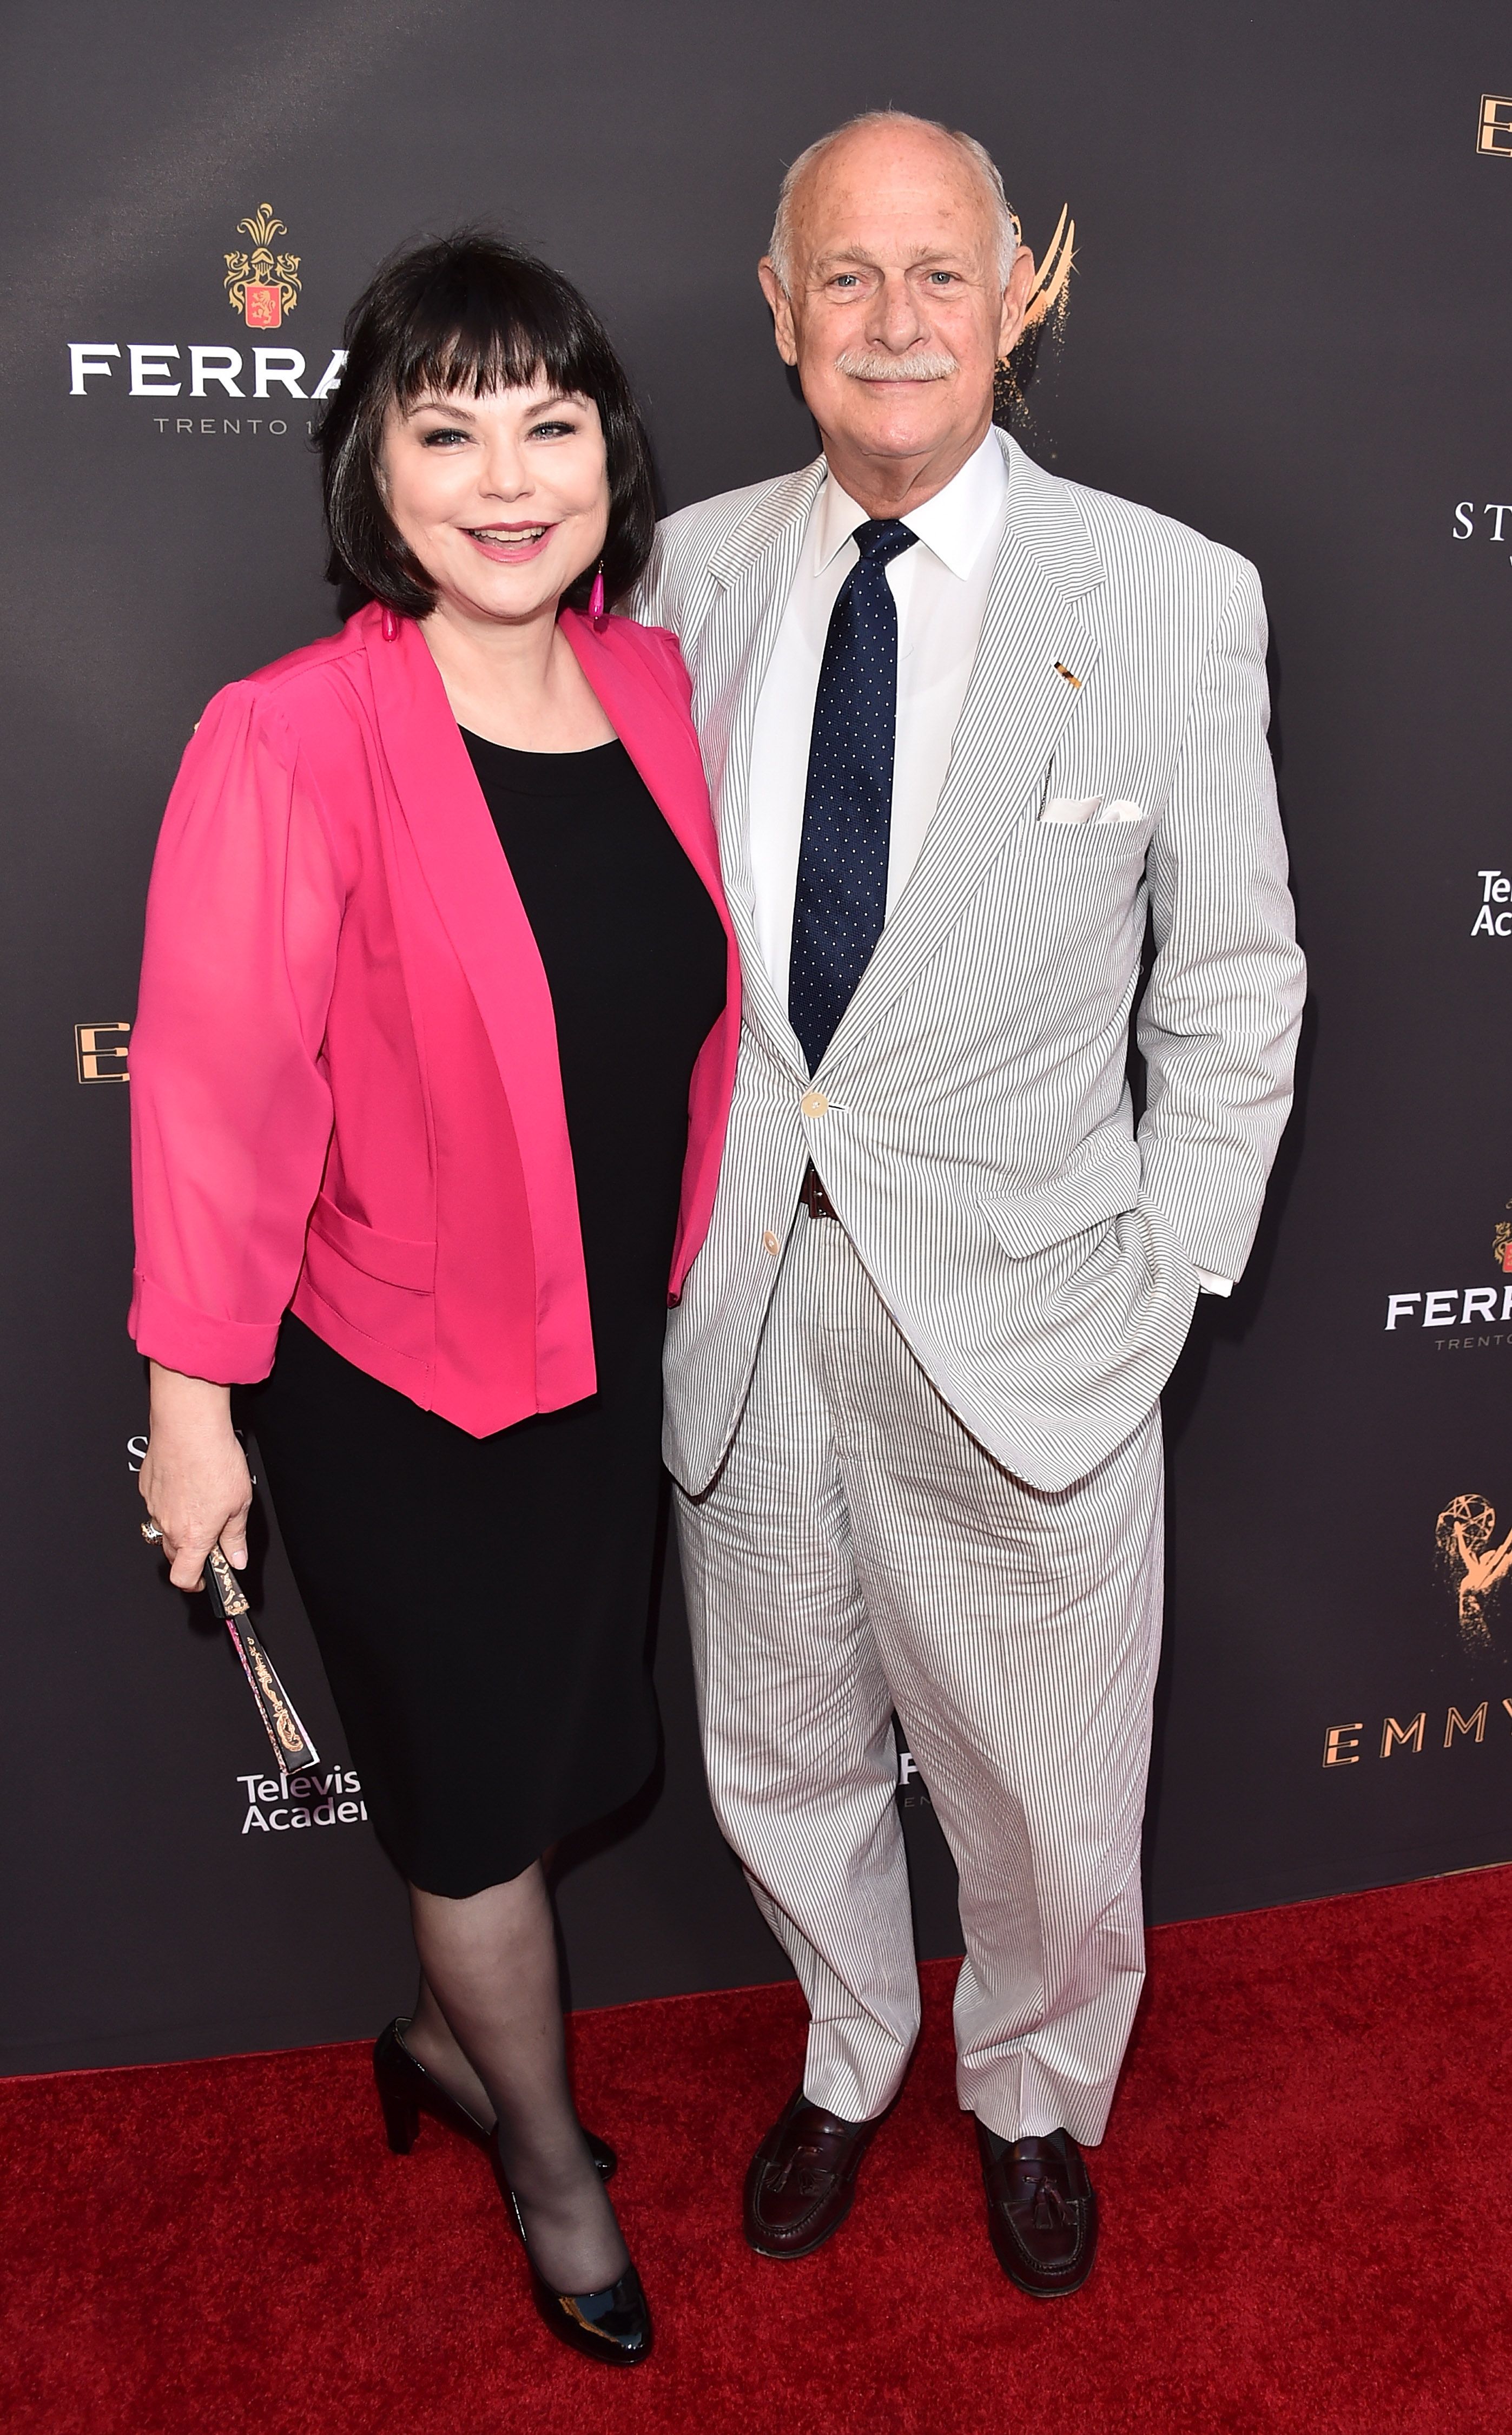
[262, 286]
[1501, 1244]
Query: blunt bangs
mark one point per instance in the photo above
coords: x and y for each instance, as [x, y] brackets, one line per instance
[458, 316]
[477, 325]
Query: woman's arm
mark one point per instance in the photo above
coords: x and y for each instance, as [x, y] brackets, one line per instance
[231, 1108]
[194, 1481]
[230, 1111]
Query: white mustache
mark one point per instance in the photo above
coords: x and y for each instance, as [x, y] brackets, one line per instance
[864, 363]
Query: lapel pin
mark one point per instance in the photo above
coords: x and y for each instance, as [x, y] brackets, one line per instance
[1061, 671]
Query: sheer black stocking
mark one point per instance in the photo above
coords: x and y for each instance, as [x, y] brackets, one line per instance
[490, 1967]
[429, 2038]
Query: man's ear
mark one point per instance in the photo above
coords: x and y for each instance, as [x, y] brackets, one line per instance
[782, 305]
[1016, 300]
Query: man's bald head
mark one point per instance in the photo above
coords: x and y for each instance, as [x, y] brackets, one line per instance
[893, 130]
[895, 280]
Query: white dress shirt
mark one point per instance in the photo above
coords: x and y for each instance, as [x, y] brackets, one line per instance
[940, 588]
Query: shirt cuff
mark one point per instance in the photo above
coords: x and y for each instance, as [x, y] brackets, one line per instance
[230, 1352]
[1211, 1284]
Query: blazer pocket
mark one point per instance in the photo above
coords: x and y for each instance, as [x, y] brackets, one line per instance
[1091, 1194]
[380, 1285]
[390, 1258]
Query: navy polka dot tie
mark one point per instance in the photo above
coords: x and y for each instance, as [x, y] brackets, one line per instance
[842, 866]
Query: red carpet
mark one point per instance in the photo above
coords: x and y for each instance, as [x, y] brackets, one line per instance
[1306, 2224]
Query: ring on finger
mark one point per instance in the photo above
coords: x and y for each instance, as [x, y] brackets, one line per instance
[152, 1533]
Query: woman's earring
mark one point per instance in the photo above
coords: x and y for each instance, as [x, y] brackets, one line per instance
[595, 599]
[390, 626]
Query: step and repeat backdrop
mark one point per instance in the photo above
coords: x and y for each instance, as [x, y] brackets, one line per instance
[1282, 241]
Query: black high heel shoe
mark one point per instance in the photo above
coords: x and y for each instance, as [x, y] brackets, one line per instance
[614, 2325]
[406, 2090]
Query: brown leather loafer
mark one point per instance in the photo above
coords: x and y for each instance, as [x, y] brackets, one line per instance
[1042, 2212]
[803, 2180]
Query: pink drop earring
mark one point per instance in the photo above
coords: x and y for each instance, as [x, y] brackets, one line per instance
[595, 599]
[390, 626]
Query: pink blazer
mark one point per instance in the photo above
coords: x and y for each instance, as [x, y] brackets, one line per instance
[346, 1093]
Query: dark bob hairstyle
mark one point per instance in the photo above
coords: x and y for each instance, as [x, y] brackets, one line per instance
[460, 315]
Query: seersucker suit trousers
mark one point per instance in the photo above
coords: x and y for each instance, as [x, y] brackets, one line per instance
[860, 1552]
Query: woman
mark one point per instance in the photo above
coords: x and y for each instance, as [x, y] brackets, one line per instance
[433, 1061]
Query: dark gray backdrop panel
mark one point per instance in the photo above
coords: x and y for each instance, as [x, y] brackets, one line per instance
[1287, 326]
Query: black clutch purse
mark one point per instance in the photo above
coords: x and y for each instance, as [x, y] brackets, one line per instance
[228, 1604]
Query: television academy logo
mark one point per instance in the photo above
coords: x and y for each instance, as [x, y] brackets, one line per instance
[263, 284]
[1477, 1564]
[282, 1803]
[1045, 311]
[1398, 1740]
[1493, 915]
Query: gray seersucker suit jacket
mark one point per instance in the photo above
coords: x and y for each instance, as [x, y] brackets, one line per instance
[973, 1127]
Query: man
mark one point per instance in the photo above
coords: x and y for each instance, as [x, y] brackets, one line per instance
[965, 723]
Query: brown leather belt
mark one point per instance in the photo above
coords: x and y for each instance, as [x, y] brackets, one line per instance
[811, 1195]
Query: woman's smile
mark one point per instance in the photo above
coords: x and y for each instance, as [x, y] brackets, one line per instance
[506, 544]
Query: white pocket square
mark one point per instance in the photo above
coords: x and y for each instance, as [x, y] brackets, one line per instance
[1071, 807]
[1123, 810]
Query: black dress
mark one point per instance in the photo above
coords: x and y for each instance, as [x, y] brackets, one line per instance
[482, 1604]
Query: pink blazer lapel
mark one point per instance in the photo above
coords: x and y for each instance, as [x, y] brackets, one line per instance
[644, 693]
[471, 883]
[657, 732]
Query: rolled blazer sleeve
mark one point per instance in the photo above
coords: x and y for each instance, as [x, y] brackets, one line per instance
[1219, 1021]
[231, 1111]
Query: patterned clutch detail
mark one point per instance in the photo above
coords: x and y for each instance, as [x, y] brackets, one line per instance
[228, 1601]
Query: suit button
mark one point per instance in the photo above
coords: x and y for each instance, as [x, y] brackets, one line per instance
[771, 1242]
[813, 1103]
